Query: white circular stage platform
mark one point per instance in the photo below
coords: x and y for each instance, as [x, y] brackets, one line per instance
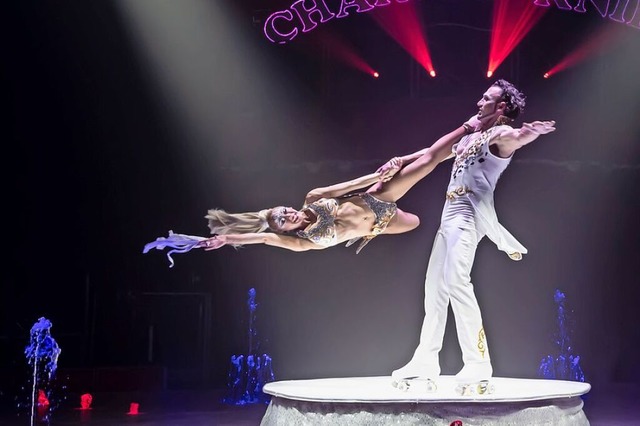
[374, 401]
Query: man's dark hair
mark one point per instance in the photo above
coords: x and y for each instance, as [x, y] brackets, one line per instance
[514, 99]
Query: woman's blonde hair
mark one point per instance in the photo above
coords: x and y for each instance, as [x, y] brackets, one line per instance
[221, 222]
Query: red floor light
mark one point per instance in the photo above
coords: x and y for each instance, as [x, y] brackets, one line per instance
[133, 409]
[376, 74]
[432, 73]
[546, 75]
[85, 401]
[489, 74]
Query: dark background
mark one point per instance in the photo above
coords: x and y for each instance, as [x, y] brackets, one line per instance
[126, 119]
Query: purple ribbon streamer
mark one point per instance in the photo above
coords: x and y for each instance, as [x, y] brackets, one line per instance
[180, 243]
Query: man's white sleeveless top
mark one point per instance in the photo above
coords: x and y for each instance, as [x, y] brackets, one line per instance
[474, 177]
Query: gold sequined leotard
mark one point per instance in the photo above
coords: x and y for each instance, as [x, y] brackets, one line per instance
[323, 231]
[384, 212]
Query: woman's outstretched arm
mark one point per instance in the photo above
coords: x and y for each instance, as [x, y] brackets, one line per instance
[271, 239]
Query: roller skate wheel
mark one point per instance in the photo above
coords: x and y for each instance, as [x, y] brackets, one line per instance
[485, 388]
[404, 385]
[463, 390]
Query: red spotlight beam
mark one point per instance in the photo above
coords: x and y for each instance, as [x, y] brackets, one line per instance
[346, 54]
[512, 20]
[592, 46]
[401, 22]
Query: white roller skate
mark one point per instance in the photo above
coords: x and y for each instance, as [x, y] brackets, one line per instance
[416, 383]
[416, 376]
[475, 380]
[482, 387]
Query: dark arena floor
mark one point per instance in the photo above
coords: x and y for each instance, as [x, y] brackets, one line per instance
[611, 405]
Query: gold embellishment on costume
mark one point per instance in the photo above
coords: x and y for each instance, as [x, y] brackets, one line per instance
[458, 192]
[323, 231]
[481, 340]
[383, 211]
[515, 255]
[470, 152]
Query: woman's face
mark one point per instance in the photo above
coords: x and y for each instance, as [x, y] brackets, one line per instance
[285, 219]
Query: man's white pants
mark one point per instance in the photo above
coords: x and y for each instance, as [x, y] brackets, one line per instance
[448, 280]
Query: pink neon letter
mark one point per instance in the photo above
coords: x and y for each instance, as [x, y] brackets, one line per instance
[387, 2]
[562, 4]
[619, 12]
[580, 7]
[361, 5]
[305, 14]
[273, 34]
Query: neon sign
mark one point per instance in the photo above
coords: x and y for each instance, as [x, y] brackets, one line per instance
[305, 15]
[623, 11]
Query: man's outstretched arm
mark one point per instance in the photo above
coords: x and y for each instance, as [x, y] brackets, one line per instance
[509, 140]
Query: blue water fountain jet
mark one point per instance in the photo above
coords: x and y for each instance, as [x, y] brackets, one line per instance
[565, 365]
[42, 352]
[248, 373]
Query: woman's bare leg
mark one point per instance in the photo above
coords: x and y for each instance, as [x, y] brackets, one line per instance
[405, 179]
[412, 173]
[402, 222]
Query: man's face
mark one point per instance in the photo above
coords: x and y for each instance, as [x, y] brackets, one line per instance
[490, 103]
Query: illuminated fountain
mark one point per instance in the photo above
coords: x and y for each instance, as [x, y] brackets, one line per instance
[565, 365]
[42, 354]
[249, 372]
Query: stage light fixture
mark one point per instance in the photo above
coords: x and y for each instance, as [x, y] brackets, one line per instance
[546, 75]
[432, 73]
[489, 74]
[376, 74]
